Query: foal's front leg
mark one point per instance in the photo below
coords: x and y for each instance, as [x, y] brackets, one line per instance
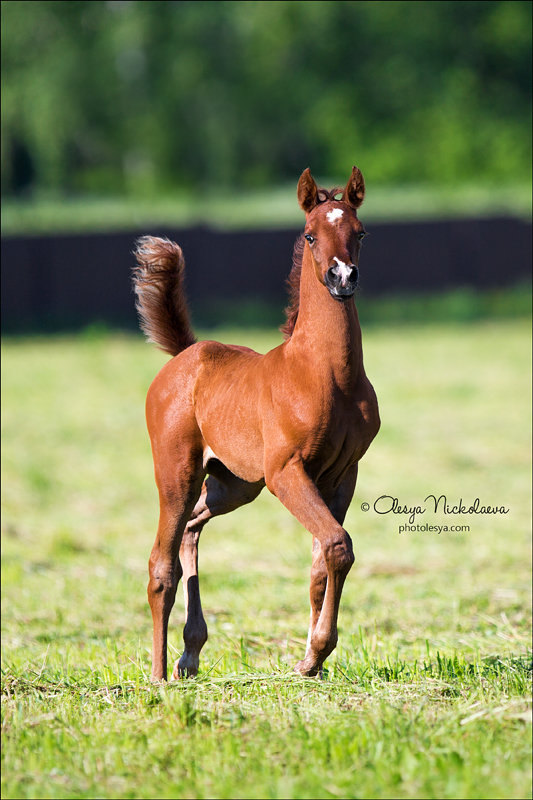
[297, 492]
[317, 588]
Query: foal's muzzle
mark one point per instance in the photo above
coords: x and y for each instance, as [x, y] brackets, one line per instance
[341, 280]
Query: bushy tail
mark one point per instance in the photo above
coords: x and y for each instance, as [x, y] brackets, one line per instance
[158, 284]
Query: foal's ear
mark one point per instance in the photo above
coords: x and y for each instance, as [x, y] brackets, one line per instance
[307, 191]
[354, 194]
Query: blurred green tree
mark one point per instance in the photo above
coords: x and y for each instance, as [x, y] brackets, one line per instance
[143, 97]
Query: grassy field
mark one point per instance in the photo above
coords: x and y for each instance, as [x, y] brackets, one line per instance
[428, 694]
[276, 207]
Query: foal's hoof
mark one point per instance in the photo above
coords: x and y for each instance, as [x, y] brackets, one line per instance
[186, 667]
[308, 669]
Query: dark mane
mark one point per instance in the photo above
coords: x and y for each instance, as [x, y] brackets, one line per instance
[293, 281]
[293, 285]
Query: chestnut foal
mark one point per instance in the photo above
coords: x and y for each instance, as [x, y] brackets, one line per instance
[225, 421]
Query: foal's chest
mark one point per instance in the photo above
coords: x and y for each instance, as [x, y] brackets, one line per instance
[336, 434]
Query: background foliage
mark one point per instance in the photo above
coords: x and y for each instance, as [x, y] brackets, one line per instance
[143, 97]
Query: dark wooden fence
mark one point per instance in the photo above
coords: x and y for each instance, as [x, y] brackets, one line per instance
[57, 282]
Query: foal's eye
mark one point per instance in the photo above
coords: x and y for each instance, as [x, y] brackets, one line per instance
[361, 235]
[309, 238]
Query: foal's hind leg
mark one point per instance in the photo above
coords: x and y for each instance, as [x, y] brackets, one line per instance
[195, 631]
[220, 494]
[179, 486]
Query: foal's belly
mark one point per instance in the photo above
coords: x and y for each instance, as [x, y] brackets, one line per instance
[237, 446]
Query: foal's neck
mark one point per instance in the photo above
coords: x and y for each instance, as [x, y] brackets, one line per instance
[327, 335]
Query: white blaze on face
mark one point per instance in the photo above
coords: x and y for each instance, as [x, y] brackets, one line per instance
[343, 270]
[334, 214]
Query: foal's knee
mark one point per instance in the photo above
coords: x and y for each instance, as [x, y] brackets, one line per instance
[164, 577]
[338, 553]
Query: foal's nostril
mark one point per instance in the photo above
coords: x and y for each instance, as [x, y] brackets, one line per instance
[343, 273]
[341, 280]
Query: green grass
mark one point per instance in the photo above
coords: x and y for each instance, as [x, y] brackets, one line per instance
[428, 693]
[259, 209]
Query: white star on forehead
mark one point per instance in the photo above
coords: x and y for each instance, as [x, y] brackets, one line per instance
[335, 213]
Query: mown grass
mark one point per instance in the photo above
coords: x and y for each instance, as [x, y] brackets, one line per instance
[253, 209]
[428, 693]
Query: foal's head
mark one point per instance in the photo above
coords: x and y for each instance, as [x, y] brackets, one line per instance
[333, 233]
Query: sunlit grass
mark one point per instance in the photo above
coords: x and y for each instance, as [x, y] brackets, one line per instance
[428, 693]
